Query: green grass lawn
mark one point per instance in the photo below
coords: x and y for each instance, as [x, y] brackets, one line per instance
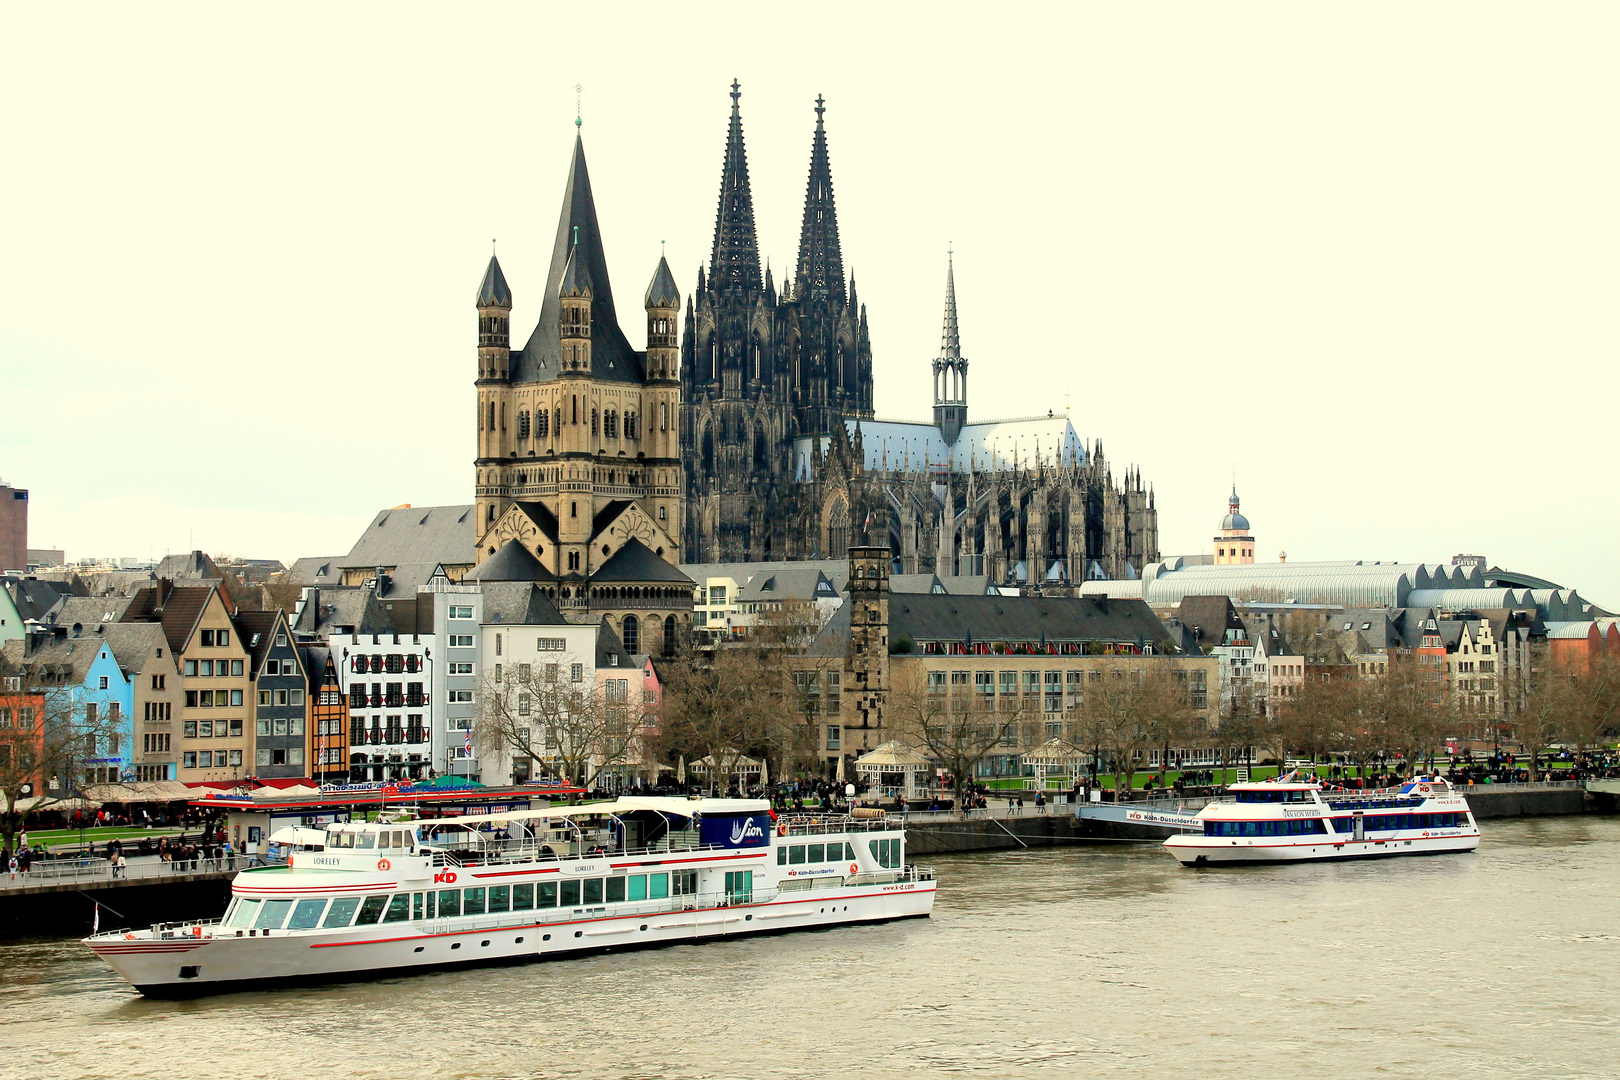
[53, 837]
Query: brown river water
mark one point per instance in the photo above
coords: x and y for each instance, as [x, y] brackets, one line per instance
[1068, 962]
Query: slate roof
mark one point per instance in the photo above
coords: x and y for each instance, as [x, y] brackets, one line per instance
[76, 655]
[518, 603]
[133, 644]
[966, 584]
[177, 607]
[576, 279]
[493, 290]
[35, 598]
[257, 631]
[606, 516]
[661, 291]
[513, 562]
[90, 612]
[743, 572]
[1209, 617]
[914, 583]
[544, 519]
[610, 652]
[188, 566]
[357, 607]
[612, 358]
[416, 536]
[637, 562]
[798, 584]
[927, 617]
[320, 570]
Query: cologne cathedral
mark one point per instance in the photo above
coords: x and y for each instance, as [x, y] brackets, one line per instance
[783, 459]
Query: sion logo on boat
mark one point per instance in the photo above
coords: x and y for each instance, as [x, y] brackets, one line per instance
[445, 877]
[745, 829]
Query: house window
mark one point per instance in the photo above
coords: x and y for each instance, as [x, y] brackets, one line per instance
[102, 682]
[461, 612]
[834, 732]
[550, 644]
[461, 697]
[576, 672]
[465, 641]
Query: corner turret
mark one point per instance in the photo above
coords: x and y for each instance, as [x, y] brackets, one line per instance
[494, 325]
[574, 296]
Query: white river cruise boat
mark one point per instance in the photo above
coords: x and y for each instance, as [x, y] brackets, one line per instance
[1297, 820]
[395, 896]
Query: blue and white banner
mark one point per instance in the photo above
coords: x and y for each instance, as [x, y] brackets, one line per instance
[753, 830]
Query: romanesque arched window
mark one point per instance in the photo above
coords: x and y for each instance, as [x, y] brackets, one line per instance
[523, 423]
[593, 423]
[610, 423]
[631, 428]
[632, 634]
[669, 635]
[542, 423]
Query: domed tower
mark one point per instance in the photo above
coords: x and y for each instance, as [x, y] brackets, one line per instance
[1234, 544]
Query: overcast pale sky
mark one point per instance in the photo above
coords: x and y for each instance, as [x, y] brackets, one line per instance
[1362, 254]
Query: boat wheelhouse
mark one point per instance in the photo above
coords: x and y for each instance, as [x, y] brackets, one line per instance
[1294, 819]
[395, 895]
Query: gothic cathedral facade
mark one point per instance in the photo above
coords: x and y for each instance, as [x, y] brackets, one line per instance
[782, 457]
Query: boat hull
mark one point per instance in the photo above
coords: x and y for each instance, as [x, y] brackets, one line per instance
[1224, 851]
[194, 967]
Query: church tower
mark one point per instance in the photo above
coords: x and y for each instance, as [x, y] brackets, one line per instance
[950, 370]
[578, 468]
[1234, 545]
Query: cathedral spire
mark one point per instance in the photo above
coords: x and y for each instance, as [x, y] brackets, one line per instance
[735, 260]
[821, 263]
[950, 369]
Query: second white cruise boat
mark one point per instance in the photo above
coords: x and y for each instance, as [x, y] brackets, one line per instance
[529, 884]
[1297, 820]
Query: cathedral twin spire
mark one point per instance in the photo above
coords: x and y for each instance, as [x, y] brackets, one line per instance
[734, 262]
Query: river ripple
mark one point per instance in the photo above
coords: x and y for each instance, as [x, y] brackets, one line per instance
[1066, 962]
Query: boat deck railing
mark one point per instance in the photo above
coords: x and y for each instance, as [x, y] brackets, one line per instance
[528, 852]
[800, 824]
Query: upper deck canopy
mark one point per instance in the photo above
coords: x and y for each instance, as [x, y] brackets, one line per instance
[675, 807]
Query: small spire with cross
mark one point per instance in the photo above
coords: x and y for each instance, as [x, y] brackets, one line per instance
[736, 92]
[820, 108]
[579, 116]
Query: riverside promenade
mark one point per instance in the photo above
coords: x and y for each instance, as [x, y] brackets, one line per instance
[1000, 827]
[60, 896]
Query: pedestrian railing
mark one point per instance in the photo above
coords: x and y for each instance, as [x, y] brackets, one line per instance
[62, 871]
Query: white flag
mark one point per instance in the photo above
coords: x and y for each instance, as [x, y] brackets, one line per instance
[95, 921]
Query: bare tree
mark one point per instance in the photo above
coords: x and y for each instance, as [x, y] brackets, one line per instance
[1594, 707]
[1313, 721]
[957, 732]
[722, 706]
[1115, 716]
[1241, 725]
[538, 712]
[1167, 712]
[44, 739]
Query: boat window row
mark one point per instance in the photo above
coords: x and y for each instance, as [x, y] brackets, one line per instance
[387, 839]
[253, 913]
[887, 853]
[795, 854]
[1288, 827]
[1374, 804]
[1272, 796]
[1381, 822]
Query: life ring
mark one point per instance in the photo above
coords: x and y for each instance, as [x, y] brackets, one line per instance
[196, 931]
[781, 828]
[854, 869]
[383, 864]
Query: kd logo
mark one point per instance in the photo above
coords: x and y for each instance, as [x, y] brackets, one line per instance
[446, 877]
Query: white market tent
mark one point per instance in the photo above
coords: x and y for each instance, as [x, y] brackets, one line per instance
[894, 770]
[1056, 757]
